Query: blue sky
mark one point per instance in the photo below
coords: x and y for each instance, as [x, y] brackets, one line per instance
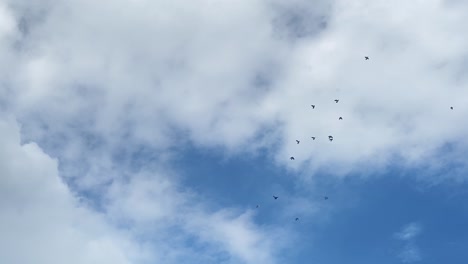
[137, 132]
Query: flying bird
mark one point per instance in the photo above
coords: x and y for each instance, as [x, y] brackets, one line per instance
[291, 158]
[330, 138]
[367, 58]
[451, 107]
[313, 138]
[256, 206]
[276, 197]
[336, 100]
[313, 106]
[326, 197]
[340, 118]
[297, 141]
[297, 218]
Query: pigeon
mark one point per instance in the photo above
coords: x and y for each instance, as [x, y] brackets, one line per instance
[291, 158]
[336, 100]
[451, 107]
[297, 141]
[313, 138]
[330, 138]
[313, 106]
[367, 58]
[297, 218]
[276, 197]
[340, 118]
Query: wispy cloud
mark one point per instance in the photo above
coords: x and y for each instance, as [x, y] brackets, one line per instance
[409, 232]
[411, 252]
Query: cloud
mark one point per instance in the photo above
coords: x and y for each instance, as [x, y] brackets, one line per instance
[143, 73]
[409, 232]
[411, 252]
[41, 221]
[156, 209]
[42, 217]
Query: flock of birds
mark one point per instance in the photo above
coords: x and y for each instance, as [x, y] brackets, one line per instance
[330, 138]
[313, 138]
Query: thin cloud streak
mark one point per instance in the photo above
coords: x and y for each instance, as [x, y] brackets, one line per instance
[411, 252]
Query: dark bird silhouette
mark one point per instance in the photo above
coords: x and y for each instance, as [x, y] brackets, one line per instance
[276, 197]
[326, 197]
[451, 107]
[313, 106]
[313, 138]
[297, 141]
[256, 206]
[367, 58]
[340, 118]
[330, 138]
[336, 100]
[291, 158]
[297, 218]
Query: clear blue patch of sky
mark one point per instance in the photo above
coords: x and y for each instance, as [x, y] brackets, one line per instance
[364, 233]
[242, 180]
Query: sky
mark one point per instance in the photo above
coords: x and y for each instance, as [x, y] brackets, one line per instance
[138, 131]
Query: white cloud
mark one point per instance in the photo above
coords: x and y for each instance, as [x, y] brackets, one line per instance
[40, 216]
[7, 22]
[409, 232]
[151, 68]
[156, 209]
[40, 220]
[410, 252]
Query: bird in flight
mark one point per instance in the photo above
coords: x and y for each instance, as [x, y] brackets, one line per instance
[291, 158]
[330, 138]
[367, 58]
[340, 118]
[313, 106]
[297, 141]
[336, 100]
[326, 197]
[256, 206]
[297, 218]
[451, 107]
[276, 197]
[313, 138]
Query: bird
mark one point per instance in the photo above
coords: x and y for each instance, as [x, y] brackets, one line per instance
[336, 100]
[313, 138]
[291, 158]
[256, 206]
[297, 218]
[367, 58]
[297, 141]
[330, 138]
[340, 118]
[313, 106]
[276, 197]
[451, 107]
[326, 197]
